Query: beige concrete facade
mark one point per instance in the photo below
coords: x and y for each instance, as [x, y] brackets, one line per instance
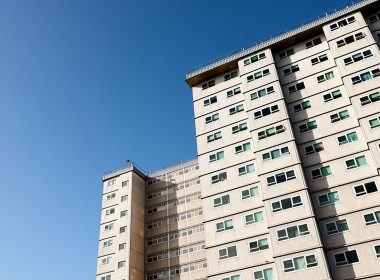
[286, 184]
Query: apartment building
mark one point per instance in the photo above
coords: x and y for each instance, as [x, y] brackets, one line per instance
[286, 181]
[152, 224]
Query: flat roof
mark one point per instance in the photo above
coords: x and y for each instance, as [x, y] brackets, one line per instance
[131, 166]
[277, 42]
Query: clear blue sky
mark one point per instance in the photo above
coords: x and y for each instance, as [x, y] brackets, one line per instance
[86, 85]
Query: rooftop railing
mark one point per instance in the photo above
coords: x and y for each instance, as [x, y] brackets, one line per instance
[350, 6]
[131, 164]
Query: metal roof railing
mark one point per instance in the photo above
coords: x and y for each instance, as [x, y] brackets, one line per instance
[306, 24]
[131, 165]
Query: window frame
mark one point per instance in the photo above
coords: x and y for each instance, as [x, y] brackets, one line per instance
[220, 179]
[337, 227]
[356, 164]
[307, 266]
[329, 201]
[227, 253]
[233, 92]
[300, 233]
[321, 173]
[243, 197]
[254, 220]
[282, 201]
[365, 189]
[345, 257]
[348, 137]
[266, 90]
[224, 225]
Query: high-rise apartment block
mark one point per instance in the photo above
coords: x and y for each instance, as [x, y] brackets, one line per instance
[286, 184]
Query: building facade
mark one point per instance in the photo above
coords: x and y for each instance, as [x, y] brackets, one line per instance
[286, 181]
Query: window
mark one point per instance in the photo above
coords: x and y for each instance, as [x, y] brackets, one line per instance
[342, 115]
[366, 76]
[373, 123]
[368, 99]
[108, 227]
[254, 58]
[216, 156]
[348, 138]
[286, 53]
[374, 18]
[319, 59]
[233, 92]
[266, 111]
[237, 109]
[208, 84]
[356, 162]
[314, 149]
[238, 128]
[286, 203]
[258, 75]
[228, 252]
[320, 173]
[292, 232]
[106, 260]
[296, 87]
[223, 200]
[372, 218]
[213, 137]
[342, 23]
[233, 277]
[107, 277]
[254, 218]
[212, 118]
[328, 199]
[231, 75]
[242, 148]
[246, 169]
[107, 243]
[210, 101]
[336, 227]
[125, 184]
[265, 274]
[219, 178]
[123, 229]
[275, 154]
[292, 69]
[366, 188]
[111, 196]
[357, 57]
[121, 264]
[325, 77]
[251, 192]
[258, 245]
[313, 43]
[271, 131]
[350, 39]
[111, 182]
[345, 258]
[300, 263]
[110, 211]
[262, 92]
[281, 177]
[123, 213]
[305, 127]
[331, 96]
[122, 246]
[225, 225]
[301, 106]
[377, 251]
